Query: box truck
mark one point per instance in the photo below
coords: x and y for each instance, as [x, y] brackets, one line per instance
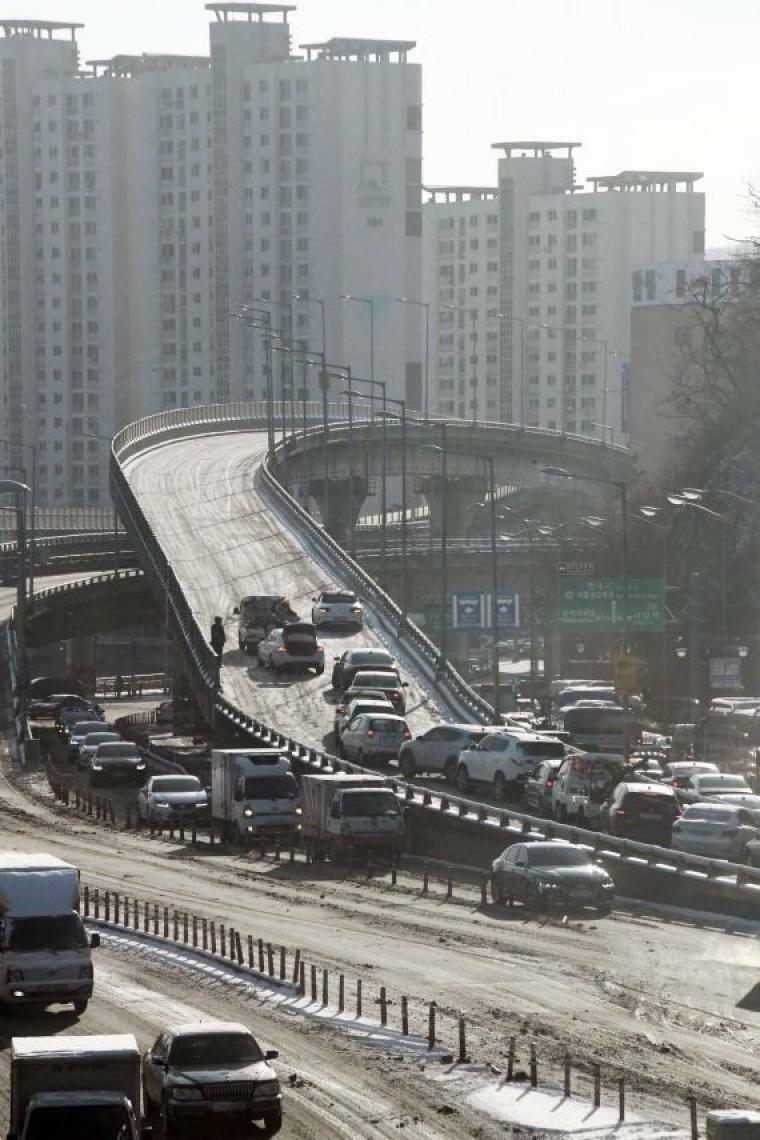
[254, 795]
[84, 1087]
[46, 953]
[346, 814]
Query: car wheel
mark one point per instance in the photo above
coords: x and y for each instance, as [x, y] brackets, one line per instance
[500, 787]
[272, 1124]
[497, 893]
[580, 819]
[407, 766]
[604, 909]
[339, 747]
[80, 1006]
[463, 778]
[450, 770]
[319, 670]
[560, 813]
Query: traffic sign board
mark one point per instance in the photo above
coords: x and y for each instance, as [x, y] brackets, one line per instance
[595, 605]
[577, 569]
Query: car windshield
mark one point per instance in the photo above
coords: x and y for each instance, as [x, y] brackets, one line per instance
[214, 1050]
[79, 1122]
[645, 803]
[339, 599]
[708, 813]
[387, 727]
[721, 782]
[374, 657]
[379, 680]
[168, 784]
[100, 737]
[540, 748]
[62, 932]
[82, 728]
[271, 787]
[118, 751]
[561, 857]
[370, 803]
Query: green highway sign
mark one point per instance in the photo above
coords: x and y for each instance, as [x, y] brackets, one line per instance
[595, 605]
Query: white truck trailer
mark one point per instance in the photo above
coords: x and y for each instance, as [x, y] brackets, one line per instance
[46, 953]
[347, 814]
[254, 795]
[86, 1088]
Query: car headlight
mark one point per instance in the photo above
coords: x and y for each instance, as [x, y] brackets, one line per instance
[608, 885]
[299, 811]
[546, 885]
[14, 975]
[186, 1092]
[345, 829]
[247, 812]
[97, 767]
[266, 1088]
[160, 803]
[141, 766]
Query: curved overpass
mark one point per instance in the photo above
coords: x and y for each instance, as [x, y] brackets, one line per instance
[212, 521]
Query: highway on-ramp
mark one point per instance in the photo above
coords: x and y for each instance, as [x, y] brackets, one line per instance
[201, 497]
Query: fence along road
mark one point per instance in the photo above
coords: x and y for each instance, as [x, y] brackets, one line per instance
[200, 497]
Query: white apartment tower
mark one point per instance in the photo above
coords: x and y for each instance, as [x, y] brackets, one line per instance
[462, 280]
[146, 198]
[565, 256]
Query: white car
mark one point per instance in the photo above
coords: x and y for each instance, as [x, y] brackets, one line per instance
[90, 744]
[373, 736]
[504, 759]
[437, 749]
[716, 830]
[166, 798]
[337, 608]
[293, 647]
[344, 714]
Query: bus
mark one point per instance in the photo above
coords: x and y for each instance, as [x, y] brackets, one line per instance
[601, 728]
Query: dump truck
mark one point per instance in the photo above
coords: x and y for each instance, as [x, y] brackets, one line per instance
[345, 815]
[254, 795]
[83, 1087]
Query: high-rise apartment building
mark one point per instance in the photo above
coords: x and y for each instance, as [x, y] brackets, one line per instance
[565, 260]
[146, 198]
[461, 277]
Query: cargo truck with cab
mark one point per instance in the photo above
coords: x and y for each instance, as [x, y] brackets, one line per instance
[347, 814]
[86, 1088]
[254, 795]
[45, 952]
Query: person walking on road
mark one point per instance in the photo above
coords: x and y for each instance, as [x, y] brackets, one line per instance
[218, 636]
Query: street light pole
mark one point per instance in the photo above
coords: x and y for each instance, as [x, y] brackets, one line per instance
[384, 489]
[13, 486]
[426, 306]
[495, 594]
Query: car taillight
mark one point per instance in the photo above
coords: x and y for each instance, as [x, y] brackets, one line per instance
[281, 649]
[619, 812]
[370, 732]
[407, 735]
[356, 609]
[320, 648]
[550, 783]
[323, 610]
[395, 695]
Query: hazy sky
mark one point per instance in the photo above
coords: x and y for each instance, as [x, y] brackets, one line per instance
[648, 84]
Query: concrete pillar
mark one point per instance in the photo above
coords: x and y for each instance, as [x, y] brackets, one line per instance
[462, 492]
[343, 506]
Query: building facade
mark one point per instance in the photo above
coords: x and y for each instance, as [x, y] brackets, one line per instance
[147, 199]
[565, 285]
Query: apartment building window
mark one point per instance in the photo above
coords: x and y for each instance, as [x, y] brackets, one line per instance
[589, 215]
[571, 218]
[571, 243]
[680, 283]
[650, 284]
[588, 240]
[534, 216]
[414, 117]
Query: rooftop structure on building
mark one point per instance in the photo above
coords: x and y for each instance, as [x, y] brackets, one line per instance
[126, 66]
[38, 29]
[364, 51]
[223, 12]
[461, 193]
[647, 180]
[536, 149]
